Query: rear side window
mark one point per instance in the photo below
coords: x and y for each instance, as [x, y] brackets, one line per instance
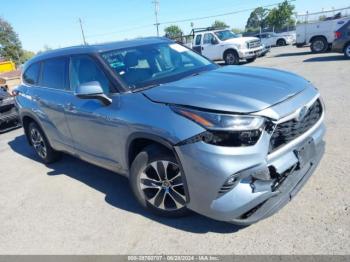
[55, 73]
[198, 39]
[31, 75]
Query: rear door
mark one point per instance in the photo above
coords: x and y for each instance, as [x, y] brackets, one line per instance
[197, 44]
[51, 94]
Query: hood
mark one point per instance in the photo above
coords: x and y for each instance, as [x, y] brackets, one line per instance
[239, 89]
[240, 40]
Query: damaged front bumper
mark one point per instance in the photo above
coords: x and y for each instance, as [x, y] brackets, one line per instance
[265, 181]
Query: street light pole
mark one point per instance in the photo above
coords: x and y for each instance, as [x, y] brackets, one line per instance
[156, 11]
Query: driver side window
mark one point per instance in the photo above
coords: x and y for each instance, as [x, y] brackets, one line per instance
[208, 38]
[84, 69]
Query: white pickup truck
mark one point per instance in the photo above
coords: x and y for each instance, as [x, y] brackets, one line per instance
[318, 29]
[222, 44]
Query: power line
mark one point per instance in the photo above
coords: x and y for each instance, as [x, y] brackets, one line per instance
[121, 31]
[218, 15]
[157, 24]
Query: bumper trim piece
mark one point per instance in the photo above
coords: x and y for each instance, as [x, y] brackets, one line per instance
[290, 187]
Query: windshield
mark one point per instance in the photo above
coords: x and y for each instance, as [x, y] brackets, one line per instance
[225, 35]
[148, 65]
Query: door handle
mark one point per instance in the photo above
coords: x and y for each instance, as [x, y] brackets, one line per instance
[69, 107]
[37, 98]
[202, 48]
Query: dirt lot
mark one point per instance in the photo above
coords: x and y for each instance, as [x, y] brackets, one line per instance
[76, 208]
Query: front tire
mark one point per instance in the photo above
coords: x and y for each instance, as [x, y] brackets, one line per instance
[319, 45]
[41, 145]
[158, 183]
[231, 58]
[347, 51]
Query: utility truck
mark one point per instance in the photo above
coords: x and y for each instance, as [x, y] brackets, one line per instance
[319, 29]
[222, 44]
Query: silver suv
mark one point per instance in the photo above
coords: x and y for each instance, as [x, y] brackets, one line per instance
[231, 143]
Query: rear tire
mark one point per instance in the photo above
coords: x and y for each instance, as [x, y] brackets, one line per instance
[231, 58]
[281, 42]
[319, 45]
[158, 183]
[41, 145]
[347, 51]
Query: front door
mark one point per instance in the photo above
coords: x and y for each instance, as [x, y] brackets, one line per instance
[93, 125]
[209, 49]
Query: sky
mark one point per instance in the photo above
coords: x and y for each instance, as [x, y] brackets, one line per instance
[55, 23]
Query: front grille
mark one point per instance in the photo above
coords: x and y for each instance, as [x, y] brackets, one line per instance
[254, 44]
[290, 130]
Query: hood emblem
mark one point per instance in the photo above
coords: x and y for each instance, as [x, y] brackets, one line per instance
[302, 113]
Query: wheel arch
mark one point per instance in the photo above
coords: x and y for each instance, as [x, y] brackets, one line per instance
[230, 49]
[26, 119]
[281, 39]
[345, 45]
[138, 141]
[317, 36]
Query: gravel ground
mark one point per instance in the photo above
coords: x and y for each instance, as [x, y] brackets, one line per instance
[72, 207]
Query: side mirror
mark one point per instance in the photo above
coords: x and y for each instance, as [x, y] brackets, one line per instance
[214, 41]
[92, 90]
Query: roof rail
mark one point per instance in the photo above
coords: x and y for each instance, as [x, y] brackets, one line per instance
[204, 29]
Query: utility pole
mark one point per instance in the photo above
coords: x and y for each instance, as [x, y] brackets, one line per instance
[156, 11]
[82, 31]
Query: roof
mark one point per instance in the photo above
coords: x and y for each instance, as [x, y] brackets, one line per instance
[86, 49]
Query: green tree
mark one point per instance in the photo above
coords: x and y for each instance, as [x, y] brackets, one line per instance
[237, 30]
[10, 45]
[173, 31]
[281, 16]
[47, 48]
[27, 55]
[219, 24]
[257, 18]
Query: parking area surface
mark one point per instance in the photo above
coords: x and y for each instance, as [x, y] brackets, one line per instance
[72, 207]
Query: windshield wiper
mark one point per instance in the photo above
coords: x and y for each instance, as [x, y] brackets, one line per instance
[144, 88]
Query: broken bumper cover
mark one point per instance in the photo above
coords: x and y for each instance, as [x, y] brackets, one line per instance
[208, 167]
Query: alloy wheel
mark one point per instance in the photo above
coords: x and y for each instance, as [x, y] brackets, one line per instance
[162, 185]
[318, 45]
[230, 59]
[38, 142]
[347, 51]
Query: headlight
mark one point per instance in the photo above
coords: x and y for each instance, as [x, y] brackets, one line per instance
[218, 121]
[223, 129]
